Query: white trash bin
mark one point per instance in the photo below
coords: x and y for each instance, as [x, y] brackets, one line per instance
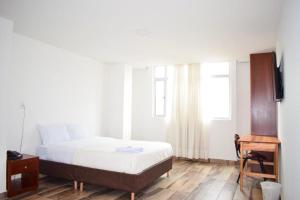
[270, 190]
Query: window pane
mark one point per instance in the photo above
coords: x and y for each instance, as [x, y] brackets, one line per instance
[160, 72]
[219, 97]
[159, 98]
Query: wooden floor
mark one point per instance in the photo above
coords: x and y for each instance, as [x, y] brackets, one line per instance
[188, 180]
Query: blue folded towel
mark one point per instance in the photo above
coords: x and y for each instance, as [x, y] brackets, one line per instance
[130, 149]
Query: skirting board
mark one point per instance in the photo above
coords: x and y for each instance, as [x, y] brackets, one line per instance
[209, 160]
[3, 195]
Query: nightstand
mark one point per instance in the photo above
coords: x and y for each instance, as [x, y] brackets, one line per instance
[22, 175]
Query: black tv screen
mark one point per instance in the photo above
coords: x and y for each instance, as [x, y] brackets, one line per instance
[278, 81]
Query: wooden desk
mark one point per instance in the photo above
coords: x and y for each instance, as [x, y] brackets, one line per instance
[259, 143]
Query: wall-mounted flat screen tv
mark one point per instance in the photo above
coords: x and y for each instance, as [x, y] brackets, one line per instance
[278, 80]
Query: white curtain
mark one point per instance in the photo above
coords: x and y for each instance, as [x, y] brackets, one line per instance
[185, 128]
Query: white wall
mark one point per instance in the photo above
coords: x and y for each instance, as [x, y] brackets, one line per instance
[243, 98]
[113, 96]
[144, 126]
[288, 48]
[220, 132]
[127, 103]
[55, 85]
[6, 28]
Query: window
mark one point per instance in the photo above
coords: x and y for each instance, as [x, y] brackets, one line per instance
[159, 83]
[217, 90]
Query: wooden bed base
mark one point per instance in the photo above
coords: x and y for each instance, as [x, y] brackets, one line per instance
[122, 181]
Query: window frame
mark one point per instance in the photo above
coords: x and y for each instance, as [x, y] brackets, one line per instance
[154, 83]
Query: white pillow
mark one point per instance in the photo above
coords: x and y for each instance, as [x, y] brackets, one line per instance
[53, 134]
[75, 132]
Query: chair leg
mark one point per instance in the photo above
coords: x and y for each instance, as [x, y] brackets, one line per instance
[238, 179]
[262, 167]
[244, 163]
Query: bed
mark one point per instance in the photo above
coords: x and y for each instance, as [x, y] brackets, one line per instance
[119, 164]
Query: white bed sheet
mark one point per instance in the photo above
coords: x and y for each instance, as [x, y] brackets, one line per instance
[100, 152]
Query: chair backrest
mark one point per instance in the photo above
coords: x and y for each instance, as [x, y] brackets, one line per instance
[237, 145]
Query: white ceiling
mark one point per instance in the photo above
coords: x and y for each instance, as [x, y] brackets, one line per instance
[150, 31]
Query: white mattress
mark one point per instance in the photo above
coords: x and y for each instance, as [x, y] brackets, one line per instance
[100, 153]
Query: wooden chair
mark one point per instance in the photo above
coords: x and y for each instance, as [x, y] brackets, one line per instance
[249, 156]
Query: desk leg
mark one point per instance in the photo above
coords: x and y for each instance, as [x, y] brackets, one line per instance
[276, 163]
[241, 167]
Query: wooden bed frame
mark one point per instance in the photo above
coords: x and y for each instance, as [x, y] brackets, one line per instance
[122, 181]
